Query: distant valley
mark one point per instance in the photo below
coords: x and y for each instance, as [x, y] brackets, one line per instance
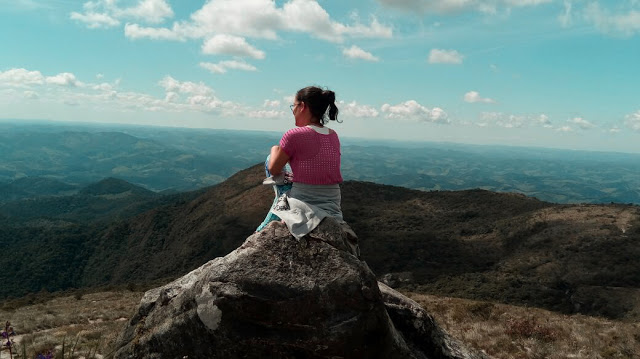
[54, 159]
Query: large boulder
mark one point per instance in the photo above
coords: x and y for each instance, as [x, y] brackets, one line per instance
[277, 297]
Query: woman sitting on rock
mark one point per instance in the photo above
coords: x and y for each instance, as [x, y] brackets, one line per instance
[308, 190]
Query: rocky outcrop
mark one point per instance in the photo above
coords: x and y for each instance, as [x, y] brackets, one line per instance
[276, 297]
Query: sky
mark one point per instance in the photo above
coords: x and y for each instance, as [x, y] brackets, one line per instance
[546, 73]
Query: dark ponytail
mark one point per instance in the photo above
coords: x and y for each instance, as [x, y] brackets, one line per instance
[321, 103]
[333, 109]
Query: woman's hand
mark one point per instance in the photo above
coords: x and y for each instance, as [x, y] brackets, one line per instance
[278, 159]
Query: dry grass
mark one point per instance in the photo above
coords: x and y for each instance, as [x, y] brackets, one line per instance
[87, 325]
[505, 331]
[90, 325]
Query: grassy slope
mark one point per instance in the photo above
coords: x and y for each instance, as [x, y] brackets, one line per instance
[502, 247]
[91, 323]
[505, 331]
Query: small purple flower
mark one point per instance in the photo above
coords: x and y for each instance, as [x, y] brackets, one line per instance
[4, 334]
[48, 355]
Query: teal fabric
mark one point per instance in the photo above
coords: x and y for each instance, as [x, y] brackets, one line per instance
[279, 191]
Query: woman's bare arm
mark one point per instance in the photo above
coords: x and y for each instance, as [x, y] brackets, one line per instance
[278, 159]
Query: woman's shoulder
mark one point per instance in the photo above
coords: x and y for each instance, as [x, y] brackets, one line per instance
[297, 131]
[296, 136]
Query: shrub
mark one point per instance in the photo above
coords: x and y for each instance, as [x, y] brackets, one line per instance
[482, 310]
[529, 328]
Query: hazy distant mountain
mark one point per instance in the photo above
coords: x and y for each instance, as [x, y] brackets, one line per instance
[106, 200]
[115, 187]
[173, 159]
[475, 244]
[28, 187]
[84, 157]
[552, 175]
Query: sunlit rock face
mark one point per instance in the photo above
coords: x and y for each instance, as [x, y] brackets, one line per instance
[277, 297]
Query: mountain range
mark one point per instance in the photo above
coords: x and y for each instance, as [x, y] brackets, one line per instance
[475, 244]
[56, 159]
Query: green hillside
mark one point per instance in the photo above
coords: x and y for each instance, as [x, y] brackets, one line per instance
[474, 244]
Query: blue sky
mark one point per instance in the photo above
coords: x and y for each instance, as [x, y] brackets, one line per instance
[549, 73]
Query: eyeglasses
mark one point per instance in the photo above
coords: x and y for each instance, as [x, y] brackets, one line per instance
[294, 106]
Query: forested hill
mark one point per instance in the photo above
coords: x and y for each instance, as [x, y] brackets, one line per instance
[473, 243]
[71, 157]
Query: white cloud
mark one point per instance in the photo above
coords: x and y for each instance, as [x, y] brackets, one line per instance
[309, 16]
[262, 19]
[257, 18]
[172, 85]
[151, 11]
[231, 45]
[106, 13]
[265, 114]
[206, 103]
[171, 97]
[581, 122]
[95, 20]
[237, 65]
[135, 31]
[289, 99]
[489, 118]
[354, 52]
[544, 121]
[31, 95]
[566, 18]
[505, 120]
[64, 79]
[271, 103]
[110, 95]
[474, 96]
[438, 115]
[412, 110]
[455, 6]
[626, 23]
[103, 87]
[511, 121]
[633, 121]
[223, 66]
[437, 56]
[66, 89]
[200, 97]
[21, 77]
[353, 109]
[373, 30]
[564, 129]
[25, 78]
[614, 129]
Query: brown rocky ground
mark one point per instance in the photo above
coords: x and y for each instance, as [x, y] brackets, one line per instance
[88, 325]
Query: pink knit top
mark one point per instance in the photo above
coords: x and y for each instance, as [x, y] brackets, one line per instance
[314, 157]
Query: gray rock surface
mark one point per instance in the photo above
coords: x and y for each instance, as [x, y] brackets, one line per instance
[276, 297]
